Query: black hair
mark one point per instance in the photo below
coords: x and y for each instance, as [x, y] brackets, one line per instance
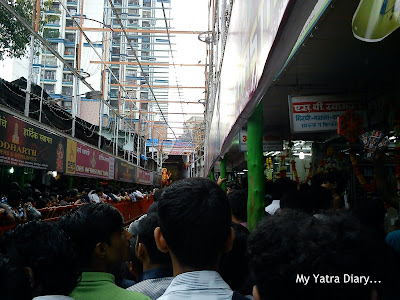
[153, 208]
[238, 202]
[47, 250]
[14, 195]
[14, 283]
[157, 195]
[90, 224]
[337, 177]
[145, 235]
[286, 246]
[234, 264]
[281, 186]
[73, 193]
[195, 220]
[99, 189]
[297, 200]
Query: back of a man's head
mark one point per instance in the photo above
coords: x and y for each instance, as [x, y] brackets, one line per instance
[332, 252]
[195, 220]
[238, 202]
[47, 252]
[91, 224]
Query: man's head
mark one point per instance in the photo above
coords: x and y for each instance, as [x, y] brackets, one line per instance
[293, 245]
[195, 223]
[98, 231]
[99, 191]
[146, 248]
[238, 202]
[46, 256]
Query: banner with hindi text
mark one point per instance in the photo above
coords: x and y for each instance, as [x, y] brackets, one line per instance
[26, 145]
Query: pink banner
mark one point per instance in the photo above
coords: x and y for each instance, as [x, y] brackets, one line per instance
[93, 163]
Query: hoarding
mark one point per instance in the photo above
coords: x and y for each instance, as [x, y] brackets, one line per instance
[318, 113]
[252, 31]
[26, 145]
[144, 176]
[125, 171]
[85, 161]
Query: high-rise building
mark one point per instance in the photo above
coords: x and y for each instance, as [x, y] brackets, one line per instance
[135, 101]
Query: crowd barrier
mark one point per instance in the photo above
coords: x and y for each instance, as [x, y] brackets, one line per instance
[129, 210]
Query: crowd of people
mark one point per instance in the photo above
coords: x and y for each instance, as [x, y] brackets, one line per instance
[193, 243]
[22, 204]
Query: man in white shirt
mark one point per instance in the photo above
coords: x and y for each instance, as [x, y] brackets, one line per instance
[195, 228]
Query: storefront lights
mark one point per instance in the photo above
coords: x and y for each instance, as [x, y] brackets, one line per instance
[11, 170]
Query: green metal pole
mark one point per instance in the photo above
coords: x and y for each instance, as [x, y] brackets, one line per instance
[255, 166]
[212, 174]
[223, 173]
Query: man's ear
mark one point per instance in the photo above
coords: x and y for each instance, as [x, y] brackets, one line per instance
[230, 240]
[140, 251]
[100, 250]
[256, 295]
[30, 275]
[160, 241]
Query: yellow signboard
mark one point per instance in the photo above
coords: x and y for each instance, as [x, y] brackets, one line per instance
[376, 19]
[71, 157]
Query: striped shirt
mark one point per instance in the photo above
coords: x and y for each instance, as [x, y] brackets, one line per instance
[199, 285]
[153, 288]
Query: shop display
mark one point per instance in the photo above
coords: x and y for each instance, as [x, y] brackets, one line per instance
[372, 141]
[350, 125]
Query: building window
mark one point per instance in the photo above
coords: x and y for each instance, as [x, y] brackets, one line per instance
[67, 77]
[70, 63]
[67, 104]
[69, 23]
[69, 51]
[133, 12]
[146, 14]
[50, 33]
[49, 88]
[49, 61]
[70, 37]
[133, 2]
[133, 22]
[146, 24]
[50, 74]
[113, 93]
[67, 91]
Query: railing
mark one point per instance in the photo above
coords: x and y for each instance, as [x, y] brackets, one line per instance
[129, 210]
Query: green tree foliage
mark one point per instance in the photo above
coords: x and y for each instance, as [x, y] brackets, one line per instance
[13, 35]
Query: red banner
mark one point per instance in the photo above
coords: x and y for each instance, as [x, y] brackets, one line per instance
[83, 160]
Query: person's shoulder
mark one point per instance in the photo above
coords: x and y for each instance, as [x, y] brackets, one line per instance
[134, 295]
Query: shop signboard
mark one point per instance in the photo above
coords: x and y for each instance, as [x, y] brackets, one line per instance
[318, 113]
[144, 176]
[269, 143]
[125, 171]
[25, 145]
[85, 161]
[252, 32]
